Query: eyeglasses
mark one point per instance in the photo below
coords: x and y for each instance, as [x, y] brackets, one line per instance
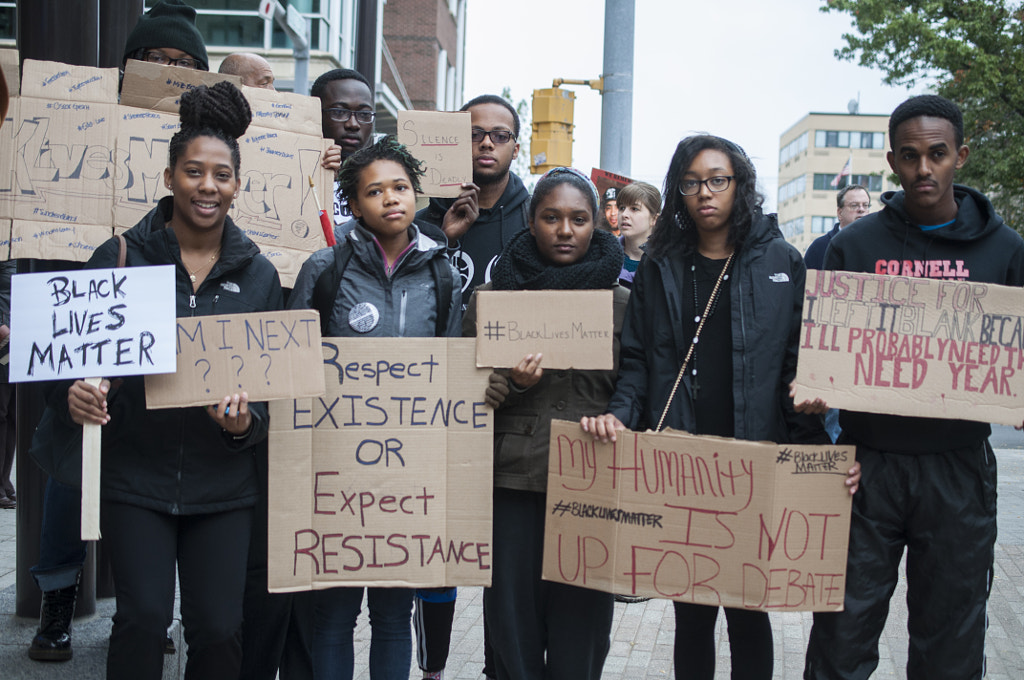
[497, 136]
[691, 187]
[857, 206]
[342, 115]
[156, 57]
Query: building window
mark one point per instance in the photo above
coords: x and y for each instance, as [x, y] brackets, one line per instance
[793, 188]
[8, 20]
[794, 148]
[840, 139]
[823, 182]
[794, 227]
[821, 224]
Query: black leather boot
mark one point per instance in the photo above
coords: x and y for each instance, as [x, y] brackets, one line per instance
[53, 639]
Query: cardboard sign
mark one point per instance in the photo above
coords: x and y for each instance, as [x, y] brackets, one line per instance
[75, 166]
[92, 322]
[387, 479]
[441, 142]
[913, 346]
[573, 328]
[153, 86]
[706, 520]
[605, 180]
[265, 354]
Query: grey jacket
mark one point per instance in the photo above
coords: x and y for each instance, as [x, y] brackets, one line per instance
[522, 425]
[371, 303]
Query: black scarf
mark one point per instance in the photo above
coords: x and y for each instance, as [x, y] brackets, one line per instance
[520, 266]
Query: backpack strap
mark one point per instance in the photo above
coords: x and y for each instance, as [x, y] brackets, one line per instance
[443, 286]
[325, 290]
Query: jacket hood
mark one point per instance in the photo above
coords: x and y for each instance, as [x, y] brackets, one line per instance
[976, 218]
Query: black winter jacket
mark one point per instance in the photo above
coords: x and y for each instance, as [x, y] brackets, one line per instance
[766, 288]
[178, 460]
[978, 246]
[474, 254]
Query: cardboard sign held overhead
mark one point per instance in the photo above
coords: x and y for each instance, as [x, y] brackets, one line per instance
[913, 346]
[159, 88]
[572, 328]
[705, 520]
[387, 479]
[92, 322]
[266, 354]
[441, 141]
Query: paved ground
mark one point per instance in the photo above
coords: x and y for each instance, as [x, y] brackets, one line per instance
[642, 633]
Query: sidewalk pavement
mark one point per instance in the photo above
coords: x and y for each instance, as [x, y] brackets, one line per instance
[642, 633]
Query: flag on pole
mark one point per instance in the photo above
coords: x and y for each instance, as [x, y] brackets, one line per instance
[845, 172]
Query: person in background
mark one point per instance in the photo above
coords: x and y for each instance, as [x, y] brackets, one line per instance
[541, 629]
[166, 34]
[390, 287]
[609, 220]
[852, 203]
[930, 483]
[179, 485]
[639, 204]
[478, 224]
[713, 254]
[253, 69]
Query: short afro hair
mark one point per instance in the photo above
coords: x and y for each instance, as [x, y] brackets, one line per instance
[495, 99]
[338, 74]
[931, 105]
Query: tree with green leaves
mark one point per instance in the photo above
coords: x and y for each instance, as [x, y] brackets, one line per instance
[973, 51]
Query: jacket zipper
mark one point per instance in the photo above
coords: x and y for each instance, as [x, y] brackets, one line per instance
[401, 315]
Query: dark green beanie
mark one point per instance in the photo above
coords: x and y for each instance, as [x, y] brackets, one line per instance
[170, 23]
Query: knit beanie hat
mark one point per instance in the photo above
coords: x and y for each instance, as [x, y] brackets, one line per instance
[170, 23]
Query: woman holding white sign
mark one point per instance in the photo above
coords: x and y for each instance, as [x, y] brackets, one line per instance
[722, 288]
[179, 485]
[539, 629]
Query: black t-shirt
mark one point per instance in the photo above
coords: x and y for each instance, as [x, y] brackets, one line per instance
[712, 358]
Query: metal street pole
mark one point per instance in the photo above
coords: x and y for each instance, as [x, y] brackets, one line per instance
[617, 98]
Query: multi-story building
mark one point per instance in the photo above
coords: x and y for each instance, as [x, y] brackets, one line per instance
[412, 50]
[813, 155]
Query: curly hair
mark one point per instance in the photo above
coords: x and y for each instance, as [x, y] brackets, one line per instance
[675, 230]
[219, 111]
[387, 148]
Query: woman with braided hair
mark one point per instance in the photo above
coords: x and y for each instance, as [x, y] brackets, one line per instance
[716, 270]
[179, 485]
[540, 629]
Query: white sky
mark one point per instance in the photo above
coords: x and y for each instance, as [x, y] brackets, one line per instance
[746, 70]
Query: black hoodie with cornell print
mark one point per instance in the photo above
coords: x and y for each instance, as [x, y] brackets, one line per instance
[978, 246]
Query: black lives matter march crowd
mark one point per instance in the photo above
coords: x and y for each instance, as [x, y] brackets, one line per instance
[184, 490]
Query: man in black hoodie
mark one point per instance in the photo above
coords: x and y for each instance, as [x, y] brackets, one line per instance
[490, 210]
[928, 484]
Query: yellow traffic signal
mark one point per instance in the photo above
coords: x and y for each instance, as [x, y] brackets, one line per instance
[551, 140]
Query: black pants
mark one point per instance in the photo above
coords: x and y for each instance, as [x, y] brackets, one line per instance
[750, 642]
[942, 508]
[277, 628]
[210, 553]
[539, 630]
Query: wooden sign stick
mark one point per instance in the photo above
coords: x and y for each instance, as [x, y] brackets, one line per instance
[91, 476]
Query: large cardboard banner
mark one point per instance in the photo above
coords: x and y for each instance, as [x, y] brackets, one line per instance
[387, 479]
[913, 346]
[266, 354]
[572, 328]
[75, 166]
[92, 322]
[752, 525]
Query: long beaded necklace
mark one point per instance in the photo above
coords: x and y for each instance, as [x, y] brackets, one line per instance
[699, 320]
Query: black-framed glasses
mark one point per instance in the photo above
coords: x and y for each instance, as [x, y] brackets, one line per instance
[342, 115]
[717, 184]
[497, 136]
[158, 57]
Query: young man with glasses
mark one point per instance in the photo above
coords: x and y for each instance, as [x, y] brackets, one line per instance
[347, 114]
[172, 24]
[852, 202]
[491, 209]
